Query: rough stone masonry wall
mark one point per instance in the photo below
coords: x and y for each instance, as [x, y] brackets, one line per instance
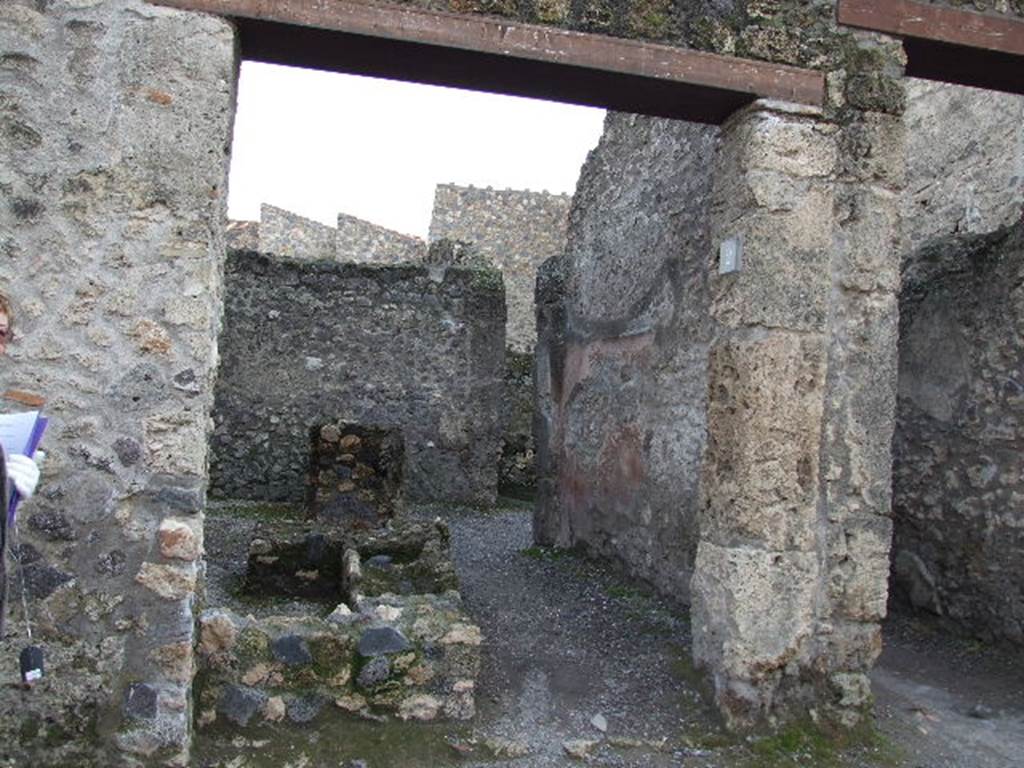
[958, 468]
[292, 236]
[308, 343]
[114, 121]
[800, 32]
[965, 163]
[360, 241]
[956, 454]
[622, 353]
[516, 230]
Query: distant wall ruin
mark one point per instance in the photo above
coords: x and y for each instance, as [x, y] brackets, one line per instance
[516, 230]
[359, 240]
[306, 343]
[292, 236]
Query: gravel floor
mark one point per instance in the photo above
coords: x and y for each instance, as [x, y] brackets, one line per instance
[568, 641]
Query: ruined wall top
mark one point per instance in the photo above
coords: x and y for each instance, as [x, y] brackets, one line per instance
[294, 236]
[515, 230]
[359, 240]
[290, 235]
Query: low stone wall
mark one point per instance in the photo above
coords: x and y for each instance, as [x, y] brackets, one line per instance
[415, 657]
[305, 344]
[517, 230]
[959, 448]
[622, 353]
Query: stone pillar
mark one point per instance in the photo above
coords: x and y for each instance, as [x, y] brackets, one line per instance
[115, 120]
[791, 567]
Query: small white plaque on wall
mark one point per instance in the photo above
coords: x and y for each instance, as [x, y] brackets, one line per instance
[730, 255]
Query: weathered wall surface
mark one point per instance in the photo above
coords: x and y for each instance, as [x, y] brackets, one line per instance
[360, 241]
[310, 343]
[958, 467]
[114, 118]
[956, 455]
[516, 230]
[622, 354]
[292, 236]
[242, 236]
[517, 471]
[965, 162]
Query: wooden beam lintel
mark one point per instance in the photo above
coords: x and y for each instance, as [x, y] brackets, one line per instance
[936, 23]
[512, 40]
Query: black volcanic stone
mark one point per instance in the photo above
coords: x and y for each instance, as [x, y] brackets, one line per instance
[381, 641]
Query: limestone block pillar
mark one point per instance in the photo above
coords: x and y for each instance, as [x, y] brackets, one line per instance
[759, 568]
[792, 564]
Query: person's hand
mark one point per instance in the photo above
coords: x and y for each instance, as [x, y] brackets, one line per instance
[24, 473]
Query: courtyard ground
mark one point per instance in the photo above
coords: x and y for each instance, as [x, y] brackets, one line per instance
[579, 658]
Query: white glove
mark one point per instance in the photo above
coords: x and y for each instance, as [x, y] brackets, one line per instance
[24, 474]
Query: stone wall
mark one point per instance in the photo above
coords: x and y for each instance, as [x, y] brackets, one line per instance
[622, 354]
[360, 241]
[516, 230]
[305, 344]
[114, 117]
[517, 471]
[958, 467]
[956, 471]
[242, 236]
[292, 236]
[965, 162]
[759, 402]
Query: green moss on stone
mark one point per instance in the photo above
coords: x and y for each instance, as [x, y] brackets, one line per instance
[252, 647]
[236, 509]
[807, 743]
[332, 655]
[876, 92]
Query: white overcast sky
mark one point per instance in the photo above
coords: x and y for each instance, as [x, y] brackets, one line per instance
[317, 143]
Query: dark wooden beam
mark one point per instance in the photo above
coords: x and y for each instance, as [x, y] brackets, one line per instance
[493, 55]
[949, 44]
